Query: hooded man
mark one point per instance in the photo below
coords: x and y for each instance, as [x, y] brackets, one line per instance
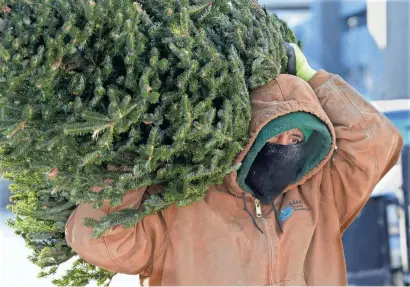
[316, 151]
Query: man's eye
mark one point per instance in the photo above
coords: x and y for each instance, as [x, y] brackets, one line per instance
[296, 140]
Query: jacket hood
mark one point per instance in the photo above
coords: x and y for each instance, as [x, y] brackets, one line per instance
[284, 103]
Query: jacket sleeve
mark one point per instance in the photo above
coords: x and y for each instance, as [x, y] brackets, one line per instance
[129, 251]
[367, 146]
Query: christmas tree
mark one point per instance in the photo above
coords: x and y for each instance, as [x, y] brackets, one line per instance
[101, 97]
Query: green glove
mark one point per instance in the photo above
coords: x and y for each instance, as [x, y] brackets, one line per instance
[298, 62]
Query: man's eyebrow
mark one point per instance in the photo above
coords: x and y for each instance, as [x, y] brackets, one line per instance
[298, 135]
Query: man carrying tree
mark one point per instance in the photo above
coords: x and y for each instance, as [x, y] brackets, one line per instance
[316, 151]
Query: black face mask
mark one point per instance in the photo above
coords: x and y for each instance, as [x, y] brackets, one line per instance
[275, 167]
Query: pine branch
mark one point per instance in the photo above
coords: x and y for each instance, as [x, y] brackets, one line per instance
[110, 96]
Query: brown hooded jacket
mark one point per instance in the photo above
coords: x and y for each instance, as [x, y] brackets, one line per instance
[214, 242]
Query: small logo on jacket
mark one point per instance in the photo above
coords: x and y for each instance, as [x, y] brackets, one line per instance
[298, 205]
[285, 213]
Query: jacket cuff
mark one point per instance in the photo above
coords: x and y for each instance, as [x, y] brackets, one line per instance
[319, 79]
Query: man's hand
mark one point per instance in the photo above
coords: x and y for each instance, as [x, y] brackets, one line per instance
[297, 62]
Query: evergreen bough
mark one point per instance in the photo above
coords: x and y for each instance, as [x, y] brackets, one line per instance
[101, 97]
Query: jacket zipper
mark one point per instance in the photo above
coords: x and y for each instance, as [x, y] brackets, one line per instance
[258, 208]
[268, 239]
